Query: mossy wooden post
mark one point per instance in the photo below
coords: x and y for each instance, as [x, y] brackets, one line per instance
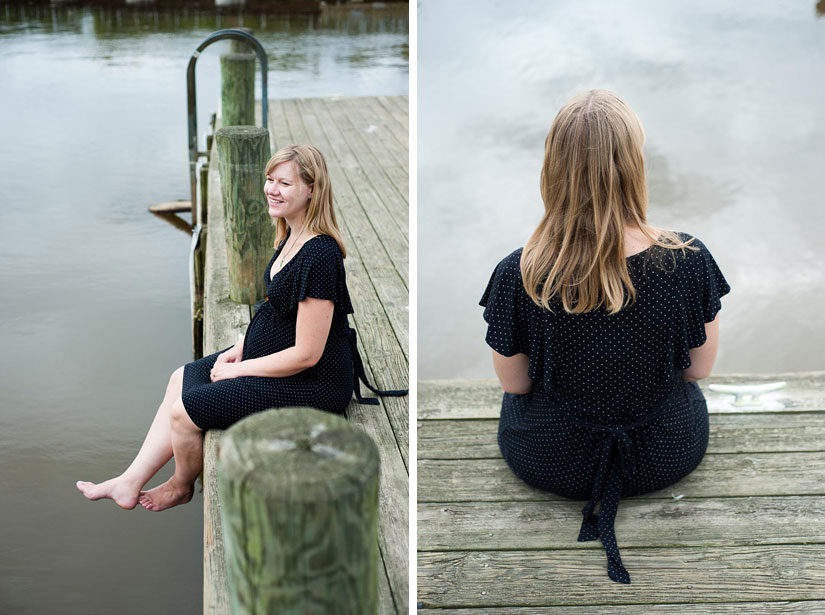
[299, 499]
[236, 45]
[242, 155]
[238, 84]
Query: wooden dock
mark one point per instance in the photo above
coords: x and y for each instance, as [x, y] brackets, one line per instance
[746, 535]
[365, 142]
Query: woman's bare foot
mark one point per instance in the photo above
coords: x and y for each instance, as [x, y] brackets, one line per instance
[165, 496]
[123, 491]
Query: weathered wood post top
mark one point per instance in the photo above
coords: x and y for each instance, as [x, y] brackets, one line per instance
[299, 490]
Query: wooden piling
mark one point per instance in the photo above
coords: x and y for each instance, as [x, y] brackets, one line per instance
[242, 155]
[239, 46]
[238, 84]
[299, 489]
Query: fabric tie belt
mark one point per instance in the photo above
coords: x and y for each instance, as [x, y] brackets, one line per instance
[608, 487]
[358, 374]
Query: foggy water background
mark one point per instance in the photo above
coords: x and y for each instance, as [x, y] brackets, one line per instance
[732, 99]
[94, 314]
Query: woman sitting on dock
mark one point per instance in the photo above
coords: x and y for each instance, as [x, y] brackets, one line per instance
[299, 349]
[600, 327]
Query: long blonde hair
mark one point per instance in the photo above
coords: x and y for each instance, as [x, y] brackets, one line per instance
[592, 185]
[320, 216]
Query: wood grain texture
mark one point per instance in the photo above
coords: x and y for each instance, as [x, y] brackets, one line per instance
[729, 433]
[743, 532]
[300, 504]
[750, 520]
[456, 399]
[568, 577]
[224, 321]
[366, 142]
[490, 480]
[242, 155]
[808, 607]
[380, 299]
[238, 88]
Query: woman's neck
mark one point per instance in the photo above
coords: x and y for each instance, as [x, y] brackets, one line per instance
[635, 240]
[295, 223]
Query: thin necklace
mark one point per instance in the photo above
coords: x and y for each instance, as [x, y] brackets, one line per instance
[297, 237]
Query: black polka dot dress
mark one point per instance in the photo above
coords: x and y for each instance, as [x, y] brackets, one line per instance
[608, 414]
[316, 270]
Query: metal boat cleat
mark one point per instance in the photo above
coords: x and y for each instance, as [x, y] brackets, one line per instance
[750, 395]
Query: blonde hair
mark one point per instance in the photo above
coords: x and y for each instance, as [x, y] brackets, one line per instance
[592, 185]
[312, 169]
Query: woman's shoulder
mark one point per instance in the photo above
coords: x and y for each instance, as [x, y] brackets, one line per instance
[691, 240]
[322, 246]
[505, 280]
[696, 267]
[692, 251]
[511, 262]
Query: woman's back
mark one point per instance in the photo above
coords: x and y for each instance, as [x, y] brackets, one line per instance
[610, 367]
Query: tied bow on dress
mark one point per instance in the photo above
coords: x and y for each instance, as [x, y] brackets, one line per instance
[617, 462]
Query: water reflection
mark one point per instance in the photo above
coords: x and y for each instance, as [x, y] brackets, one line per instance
[108, 22]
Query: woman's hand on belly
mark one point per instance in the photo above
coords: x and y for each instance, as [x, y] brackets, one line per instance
[225, 371]
[233, 355]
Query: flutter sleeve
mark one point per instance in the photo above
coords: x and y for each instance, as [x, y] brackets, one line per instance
[320, 275]
[504, 309]
[706, 286]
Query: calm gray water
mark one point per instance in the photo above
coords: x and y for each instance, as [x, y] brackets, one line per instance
[95, 302]
[732, 98]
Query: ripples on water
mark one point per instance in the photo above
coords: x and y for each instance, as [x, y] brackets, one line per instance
[95, 309]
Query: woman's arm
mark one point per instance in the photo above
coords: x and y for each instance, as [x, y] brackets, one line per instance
[703, 357]
[311, 332]
[512, 372]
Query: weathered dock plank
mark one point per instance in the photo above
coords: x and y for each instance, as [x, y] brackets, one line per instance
[744, 532]
[377, 289]
[376, 276]
[384, 219]
[490, 480]
[807, 607]
[769, 432]
[681, 574]
[750, 520]
[375, 264]
[481, 399]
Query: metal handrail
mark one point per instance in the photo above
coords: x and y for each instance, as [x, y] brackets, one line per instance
[191, 102]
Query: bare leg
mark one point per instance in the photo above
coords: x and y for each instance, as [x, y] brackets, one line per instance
[153, 455]
[187, 443]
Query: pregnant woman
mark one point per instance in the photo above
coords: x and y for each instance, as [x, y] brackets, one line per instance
[299, 349]
[600, 327]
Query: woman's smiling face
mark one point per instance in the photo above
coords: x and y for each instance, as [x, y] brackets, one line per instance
[286, 193]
